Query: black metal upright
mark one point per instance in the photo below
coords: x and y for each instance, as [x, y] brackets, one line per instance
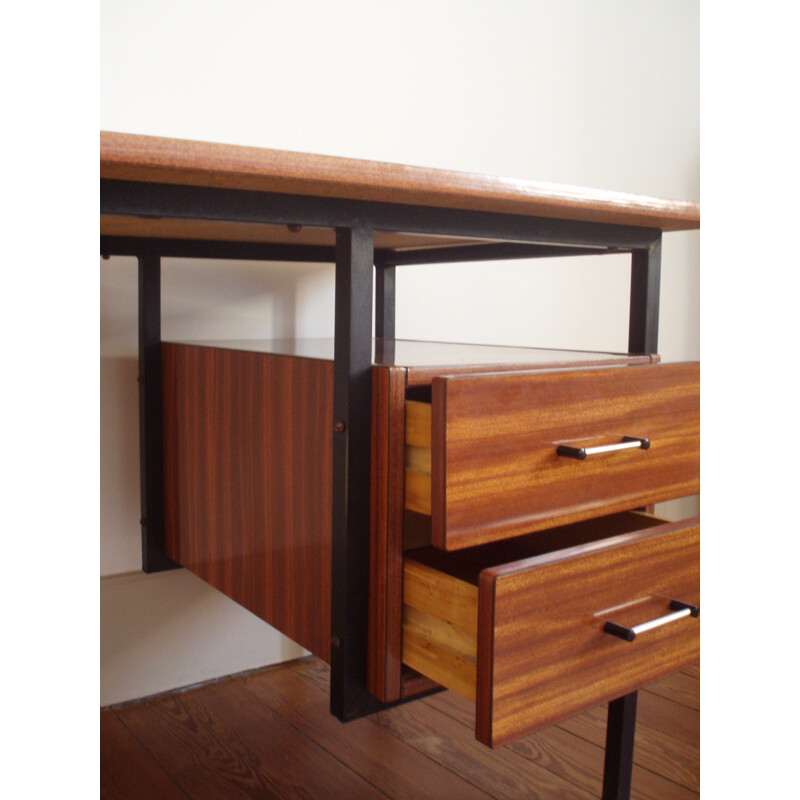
[352, 405]
[642, 338]
[384, 298]
[151, 467]
[645, 288]
[620, 732]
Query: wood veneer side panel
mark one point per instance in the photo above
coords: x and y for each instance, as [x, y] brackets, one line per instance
[376, 616]
[484, 672]
[438, 506]
[252, 468]
[384, 655]
[550, 658]
[394, 530]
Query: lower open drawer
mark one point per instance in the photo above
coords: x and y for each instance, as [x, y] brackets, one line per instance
[541, 627]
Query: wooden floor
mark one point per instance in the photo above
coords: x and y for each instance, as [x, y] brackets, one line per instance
[270, 735]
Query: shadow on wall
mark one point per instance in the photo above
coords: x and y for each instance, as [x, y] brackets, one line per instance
[206, 299]
[120, 542]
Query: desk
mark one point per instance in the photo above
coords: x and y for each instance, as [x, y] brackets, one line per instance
[164, 197]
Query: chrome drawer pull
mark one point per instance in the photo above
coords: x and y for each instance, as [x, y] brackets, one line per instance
[679, 611]
[627, 443]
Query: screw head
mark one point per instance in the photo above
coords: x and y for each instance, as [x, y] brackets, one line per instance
[338, 426]
[336, 642]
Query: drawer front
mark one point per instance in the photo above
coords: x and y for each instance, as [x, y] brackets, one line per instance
[543, 653]
[483, 458]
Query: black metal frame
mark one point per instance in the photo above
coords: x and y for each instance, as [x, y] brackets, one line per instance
[620, 732]
[151, 467]
[512, 236]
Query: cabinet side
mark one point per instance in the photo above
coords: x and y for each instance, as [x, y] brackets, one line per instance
[386, 533]
[248, 481]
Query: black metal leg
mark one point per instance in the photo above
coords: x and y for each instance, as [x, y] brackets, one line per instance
[619, 748]
[352, 390]
[150, 422]
[384, 300]
[645, 287]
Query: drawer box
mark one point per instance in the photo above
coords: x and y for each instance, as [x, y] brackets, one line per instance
[482, 458]
[519, 626]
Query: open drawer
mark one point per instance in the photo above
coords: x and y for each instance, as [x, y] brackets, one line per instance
[503, 454]
[544, 626]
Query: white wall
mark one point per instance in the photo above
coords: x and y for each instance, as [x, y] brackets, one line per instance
[602, 94]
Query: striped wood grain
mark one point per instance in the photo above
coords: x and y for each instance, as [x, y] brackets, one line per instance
[494, 468]
[248, 481]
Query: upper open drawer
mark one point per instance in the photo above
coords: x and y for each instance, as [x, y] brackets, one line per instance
[498, 455]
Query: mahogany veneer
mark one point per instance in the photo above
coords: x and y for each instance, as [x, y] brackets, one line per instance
[482, 461]
[528, 682]
[386, 532]
[248, 468]
[248, 454]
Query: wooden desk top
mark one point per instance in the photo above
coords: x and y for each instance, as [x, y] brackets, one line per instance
[158, 160]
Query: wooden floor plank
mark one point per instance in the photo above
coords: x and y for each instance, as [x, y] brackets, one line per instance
[693, 671]
[127, 770]
[270, 735]
[571, 756]
[663, 715]
[659, 752]
[672, 758]
[680, 688]
[582, 763]
[388, 763]
[217, 743]
[501, 773]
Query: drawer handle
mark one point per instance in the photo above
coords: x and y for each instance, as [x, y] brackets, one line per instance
[627, 443]
[679, 611]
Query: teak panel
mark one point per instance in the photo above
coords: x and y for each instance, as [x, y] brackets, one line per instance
[494, 468]
[161, 160]
[248, 481]
[384, 667]
[542, 652]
